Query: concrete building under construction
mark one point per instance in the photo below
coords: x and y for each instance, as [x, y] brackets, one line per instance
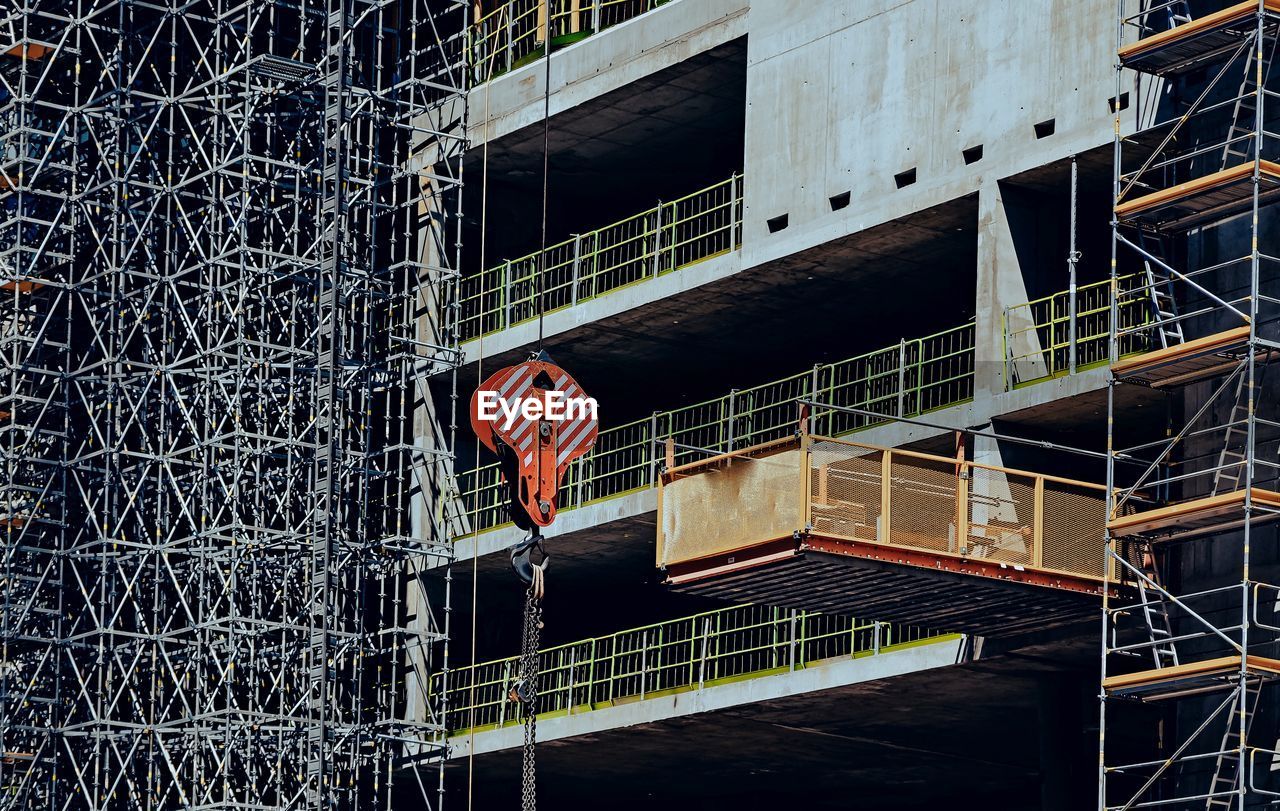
[937, 457]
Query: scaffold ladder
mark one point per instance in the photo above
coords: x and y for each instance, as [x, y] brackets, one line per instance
[1179, 12]
[1226, 771]
[1232, 458]
[1164, 306]
[1176, 12]
[1155, 611]
[1240, 138]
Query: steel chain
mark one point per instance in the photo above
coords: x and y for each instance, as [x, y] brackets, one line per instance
[528, 681]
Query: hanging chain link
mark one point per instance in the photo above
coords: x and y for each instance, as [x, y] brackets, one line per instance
[526, 692]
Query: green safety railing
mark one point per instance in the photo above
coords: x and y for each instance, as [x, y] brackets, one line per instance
[705, 649]
[666, 238]
[1043, 339]
[515, 32]
[907, 379]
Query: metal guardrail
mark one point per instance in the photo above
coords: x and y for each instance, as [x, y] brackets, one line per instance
[1047, 338]
[684, 654]
[906, 379]
[515, 33]
[943, 504]
[666, 238]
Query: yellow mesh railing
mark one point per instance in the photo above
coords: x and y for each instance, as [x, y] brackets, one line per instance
[668, 237]
[938, 504]
[515, 32]
[689, 653]
[1042, 340]
[905, 379]
[851, 491]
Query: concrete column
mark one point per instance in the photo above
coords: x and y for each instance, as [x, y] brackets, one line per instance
[995, 519]
[1000, 285]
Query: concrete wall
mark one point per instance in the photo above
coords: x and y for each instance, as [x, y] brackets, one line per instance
[844, 96]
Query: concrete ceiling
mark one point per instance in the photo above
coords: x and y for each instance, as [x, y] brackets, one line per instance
[660, 137]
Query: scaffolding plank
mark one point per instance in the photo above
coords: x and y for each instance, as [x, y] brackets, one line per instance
[1215, 196]
[1198, 516]
[1185, 362]
[1188, 679]
[28, 49]
[1193, 43]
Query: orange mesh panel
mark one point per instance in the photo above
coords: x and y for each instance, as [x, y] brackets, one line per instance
[844, 489]
[922, 503]
[1001, 516]
[1074, 519]
[744, 502]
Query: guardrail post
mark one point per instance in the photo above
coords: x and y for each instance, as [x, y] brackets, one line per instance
[595, 262]
[875, 642]
[591, 677]
[577, 259]
[1008, 351]
[573, 660]
[792, 653]
[1037, 527]
[902, 376]
[919, 377]
[507, 304]
[510, 32]
[884, 530]
[595, 16]
[644, 661]
[657, 240]
[734, 219]
[702, 654]
[729, 419]
[674, 240]
[653, 449]
[613, 665]
[962, 497]
[814, 383]
[1073, 257]
[502, 697]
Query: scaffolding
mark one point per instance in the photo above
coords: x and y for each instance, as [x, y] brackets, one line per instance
[1196, 655]
[227, 227]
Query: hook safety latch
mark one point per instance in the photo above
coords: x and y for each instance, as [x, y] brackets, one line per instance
[522, 562]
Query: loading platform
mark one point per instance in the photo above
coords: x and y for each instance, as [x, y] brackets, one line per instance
[1215, 196]
[847, 528]
[1201, 516]
[1186, 362]
[1194, 678]
[1196, 42]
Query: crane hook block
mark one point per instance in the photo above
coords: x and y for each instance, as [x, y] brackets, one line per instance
[537, 420]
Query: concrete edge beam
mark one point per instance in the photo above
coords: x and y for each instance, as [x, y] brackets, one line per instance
[838, 673]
